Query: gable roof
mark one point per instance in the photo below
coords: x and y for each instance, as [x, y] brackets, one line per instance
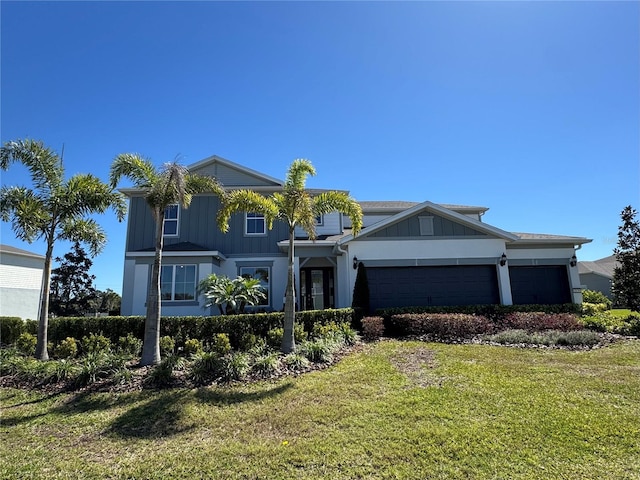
[547, 238]
[217, 166]
[396, 206]
[434, 208]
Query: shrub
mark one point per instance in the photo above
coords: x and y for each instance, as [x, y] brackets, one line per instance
[372, 327]
[593, 308]
[547, 337]
[538, 321]
[10, 329]
[205, 368]
[445, 326]
[193, 346]
[593, 296]
[129, 345]
[631, 325]
[95, 344]
[578, 337]
[233, 366]
[220, 344]
[296, 361]
[67, 348]
[96, 365]
[26, 343]
[248, 341]
[274, 336]
[318, 351]
[167, 345]
[162, 374]
[266, 365]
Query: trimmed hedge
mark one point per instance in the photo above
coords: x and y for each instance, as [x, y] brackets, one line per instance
[10, 329]
[492, 312]
[182, 329]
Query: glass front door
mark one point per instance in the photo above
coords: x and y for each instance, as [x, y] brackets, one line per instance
[316, 288]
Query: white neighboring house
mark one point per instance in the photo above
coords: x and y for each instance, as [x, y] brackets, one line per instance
[20, 282]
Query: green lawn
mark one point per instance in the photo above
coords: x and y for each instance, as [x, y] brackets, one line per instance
[393, 410]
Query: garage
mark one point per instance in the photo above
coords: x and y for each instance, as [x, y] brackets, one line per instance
[426, 286]
[544, 285]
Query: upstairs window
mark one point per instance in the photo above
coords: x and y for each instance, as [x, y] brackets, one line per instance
[170, 225]
[255, 224]
[319, 220]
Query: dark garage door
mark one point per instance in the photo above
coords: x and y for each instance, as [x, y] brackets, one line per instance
[421, 286]
[546, 285]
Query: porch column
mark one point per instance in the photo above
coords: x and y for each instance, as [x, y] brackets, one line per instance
[504, 284]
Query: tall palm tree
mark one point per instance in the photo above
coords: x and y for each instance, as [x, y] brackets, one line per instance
[296, 207]
[54, 209]
[170, 185]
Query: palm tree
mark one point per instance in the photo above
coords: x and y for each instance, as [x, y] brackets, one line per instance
[296, 207]
[173, 184]
[55, 209]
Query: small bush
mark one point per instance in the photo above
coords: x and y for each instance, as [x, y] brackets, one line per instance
[593, 308]
[26, 343]
[296, 361]
[220, 344]
[578, 338]
[274, 336]
[248, 341]
[266, 365]
[162, 374]
[444, 326]
[595, 297]
[95, 344]
[548, 337]
[233, 367]
[631, 325]
[372, 327]
[167, 345]
[193, 346]
[96, 366]
[318, 351]
[10, 329]
[205, 367]
[67, 348]
[130, 345]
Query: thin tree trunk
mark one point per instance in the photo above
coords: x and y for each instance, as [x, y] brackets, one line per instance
[288, 339]
[151, 344]
[43, 317]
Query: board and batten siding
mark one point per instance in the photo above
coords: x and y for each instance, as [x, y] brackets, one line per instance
[442, 227]
[197, 224]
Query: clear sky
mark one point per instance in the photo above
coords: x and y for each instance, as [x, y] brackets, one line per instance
[529, 108]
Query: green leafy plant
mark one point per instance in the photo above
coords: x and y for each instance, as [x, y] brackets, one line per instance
[129, 345]
[220, 344]
[594, 296]
[266, 365]
[26, 343]
[95, 344]
[231, 296]
[67, 348]
[193, 346]
[167, 345]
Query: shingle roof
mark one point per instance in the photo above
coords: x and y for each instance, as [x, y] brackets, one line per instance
[18, 251]
[603, 266]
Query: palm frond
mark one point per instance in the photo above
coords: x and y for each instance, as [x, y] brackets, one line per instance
[84, 230]
[84, 193]
[297, 174]
[44, 165]
[28, 214]
[135, 167]
[246, 201]
[334, 201]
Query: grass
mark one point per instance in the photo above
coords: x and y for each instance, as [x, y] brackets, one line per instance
[394, 410]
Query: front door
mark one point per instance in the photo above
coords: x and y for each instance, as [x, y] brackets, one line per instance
[316, 288]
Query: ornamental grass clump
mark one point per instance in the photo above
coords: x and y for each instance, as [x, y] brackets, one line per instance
[267, 365]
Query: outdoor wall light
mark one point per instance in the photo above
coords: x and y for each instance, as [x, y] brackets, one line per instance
[503, 260]
[355, 263]
[574, 261]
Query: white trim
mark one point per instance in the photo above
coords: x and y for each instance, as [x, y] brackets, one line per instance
[173, 282]
[177, 220]
[257, 217]
[165, 254]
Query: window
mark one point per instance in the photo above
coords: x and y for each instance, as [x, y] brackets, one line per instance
[262, 274]
[178, 282]
[426, 225]
[170, 226]
[319, 220]
[255, 224]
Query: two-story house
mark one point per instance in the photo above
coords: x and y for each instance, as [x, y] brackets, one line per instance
[415, 254]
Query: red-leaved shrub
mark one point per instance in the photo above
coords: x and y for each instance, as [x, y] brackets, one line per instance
[372, 327]
[441, 325]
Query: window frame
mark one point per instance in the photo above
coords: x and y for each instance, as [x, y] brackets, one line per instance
[255, 216]
[426, 226]
[174, 268]
[256, 267]
[176, 220]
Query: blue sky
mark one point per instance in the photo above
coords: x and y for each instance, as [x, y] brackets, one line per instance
[529, 108]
